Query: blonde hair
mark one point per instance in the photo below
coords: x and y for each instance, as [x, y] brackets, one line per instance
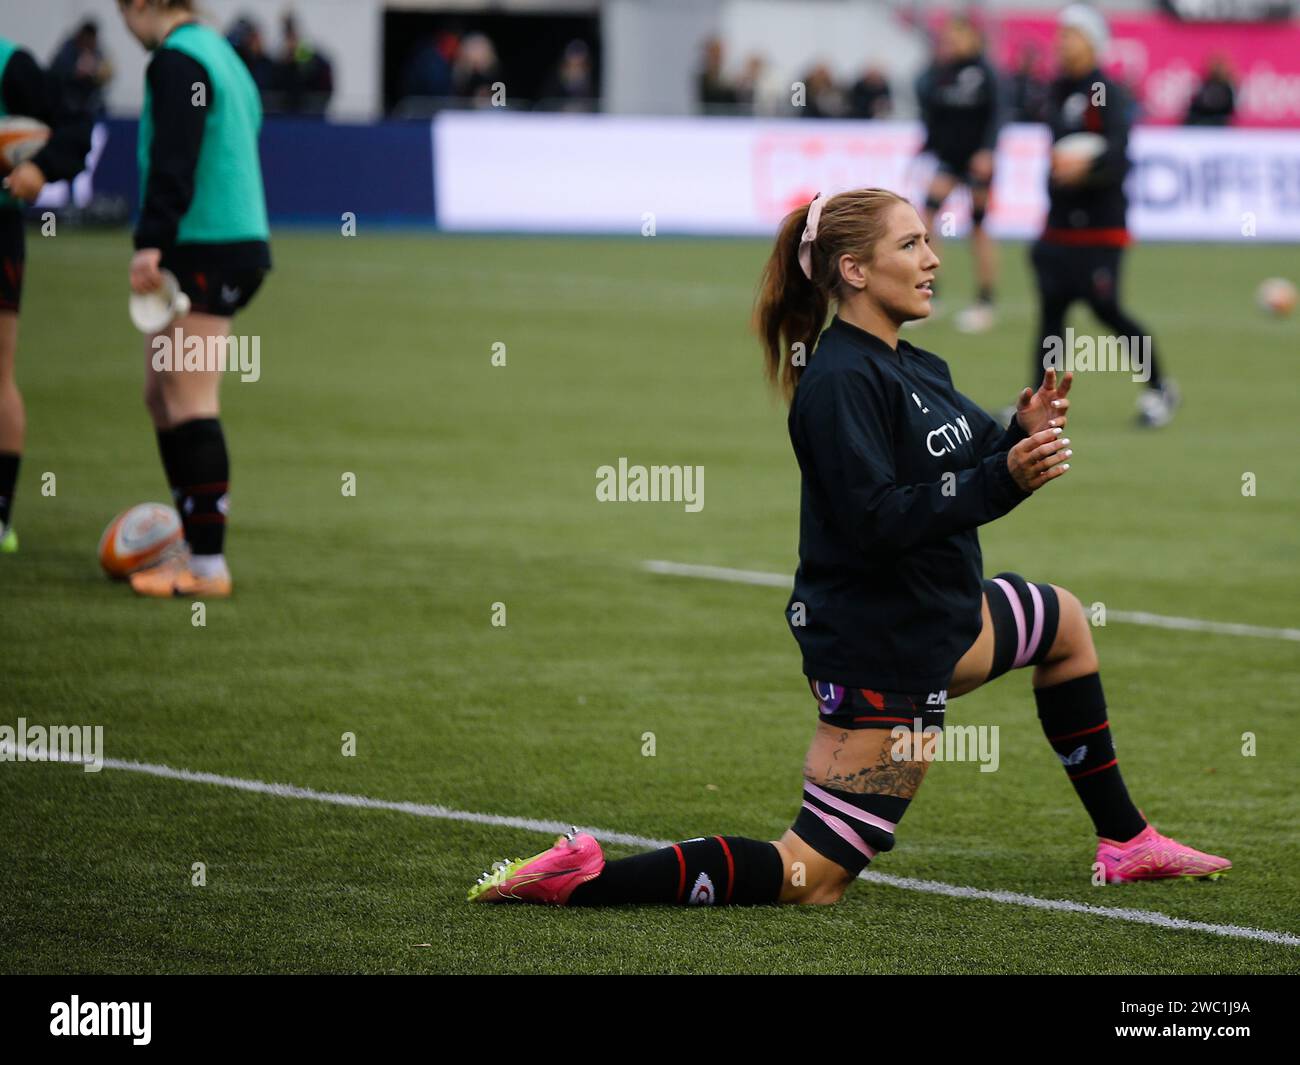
[791, 308]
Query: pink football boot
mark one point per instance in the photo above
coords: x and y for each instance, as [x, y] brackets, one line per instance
[548, 878]
[1151, 856]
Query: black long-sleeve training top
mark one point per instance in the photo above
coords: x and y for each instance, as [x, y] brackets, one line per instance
[899, 469]
[178, 125]
[30, 91]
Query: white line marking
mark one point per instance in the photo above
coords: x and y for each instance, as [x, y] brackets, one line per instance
[1130, 617]
[446, 813]
[718, 573]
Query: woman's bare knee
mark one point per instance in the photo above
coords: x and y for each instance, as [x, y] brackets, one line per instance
[1072, 653]
[155, 403]
[1073, 633]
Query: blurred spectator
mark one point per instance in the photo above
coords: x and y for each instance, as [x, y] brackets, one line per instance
[712, 87]
[303, 78]
[824, 99]
[571, 86]
[428, 70]
[1026, 91]
[83, 70]
[245, 37]
[761, 89]
[870, 96]
[1215, 101]
[475, 68]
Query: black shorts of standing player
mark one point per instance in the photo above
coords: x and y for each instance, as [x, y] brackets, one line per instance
[13, 257]
[215, 289]
[957, 168]
[1066, 273]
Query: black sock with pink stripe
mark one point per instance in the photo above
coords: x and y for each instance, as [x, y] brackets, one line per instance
[1073, 716]
[710, 871]
[198, 467]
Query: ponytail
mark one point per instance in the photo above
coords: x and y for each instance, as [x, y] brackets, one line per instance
[791, 308]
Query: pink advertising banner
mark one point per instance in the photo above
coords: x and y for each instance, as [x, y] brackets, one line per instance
[1163, 61]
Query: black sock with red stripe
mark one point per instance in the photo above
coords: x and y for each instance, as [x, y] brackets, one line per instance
[194, 455]
[711, 871]
[1073, 716]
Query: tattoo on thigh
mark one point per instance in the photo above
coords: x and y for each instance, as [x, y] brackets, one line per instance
[883, 776]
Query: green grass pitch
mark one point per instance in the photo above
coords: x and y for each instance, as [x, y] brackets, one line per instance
[476, 485]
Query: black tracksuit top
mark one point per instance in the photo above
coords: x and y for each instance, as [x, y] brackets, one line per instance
[961, 108]
[899, 469]
[1098, 205]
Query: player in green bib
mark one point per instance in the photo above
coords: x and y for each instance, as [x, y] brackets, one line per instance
[203, 219]
[26, 91]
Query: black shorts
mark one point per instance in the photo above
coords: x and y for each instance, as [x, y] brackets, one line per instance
[958, 166]
[857, 708]
[13, 257]
[219, 290]
[1077, 271]
[1025, 618]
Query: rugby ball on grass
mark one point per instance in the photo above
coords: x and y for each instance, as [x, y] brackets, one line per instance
[139, 538]
[20, 139]
[1276, 295]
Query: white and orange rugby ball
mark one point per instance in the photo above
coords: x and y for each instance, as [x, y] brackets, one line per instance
[1082, 145]
[139, 538]
[20, 139]
[1276, 295]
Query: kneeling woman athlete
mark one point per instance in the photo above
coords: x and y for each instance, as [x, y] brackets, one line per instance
[890, 607]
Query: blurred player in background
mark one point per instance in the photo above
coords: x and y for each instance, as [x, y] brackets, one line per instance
[28, 91]
[1078, 255]
[961, 110]
[202, 217]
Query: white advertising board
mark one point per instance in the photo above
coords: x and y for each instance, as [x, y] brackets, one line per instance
[736, 176]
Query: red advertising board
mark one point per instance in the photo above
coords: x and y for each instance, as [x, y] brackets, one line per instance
[1163, 60]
